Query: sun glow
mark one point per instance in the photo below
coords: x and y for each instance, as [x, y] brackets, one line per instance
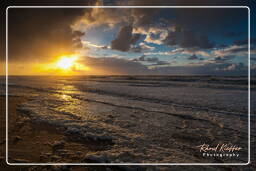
[66, 62]
[70, 64]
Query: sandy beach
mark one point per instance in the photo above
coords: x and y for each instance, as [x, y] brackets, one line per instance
[114, 127]
[138, 85]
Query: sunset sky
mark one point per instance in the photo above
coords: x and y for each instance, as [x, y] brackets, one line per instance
[129, 41]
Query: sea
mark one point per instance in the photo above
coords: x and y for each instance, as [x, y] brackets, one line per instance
[144, 119]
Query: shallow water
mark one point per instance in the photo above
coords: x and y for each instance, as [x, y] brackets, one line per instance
[160, 119]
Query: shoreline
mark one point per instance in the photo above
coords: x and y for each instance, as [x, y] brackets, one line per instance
[42, 142]
[36, 142]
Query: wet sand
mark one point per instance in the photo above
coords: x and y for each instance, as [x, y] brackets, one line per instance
[41, 143]
[33, 140]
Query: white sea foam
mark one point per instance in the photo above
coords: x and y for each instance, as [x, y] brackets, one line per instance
[143, 119]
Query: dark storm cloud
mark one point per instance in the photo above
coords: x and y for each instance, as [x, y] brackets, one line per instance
[210, 19]
[187, 19]
[187, 39]
[40, 33]
[52, 32]
[203, 21]
[191, 21]
[22, 20]
[204, 18]
[45, 27]
[124, 39]
[144, 18]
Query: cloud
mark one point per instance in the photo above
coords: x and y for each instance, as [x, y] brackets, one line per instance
[206, 69]
[244, 41]
[148, 59]
[159, 53]
[202, 53]
[238, 50]
[144, 21]
[142, 47]
[103, 16]
[158, 29]
[171, 52]
[191, 21]
[90, 44]
[179, 51]
[192, 57]
[223, 58]
[142, 58]
[41, 33]
[187, 39]
[113, 65]
[25, 19]
[77, 42]
[193, 52]
[153, 34]
[152, 61]
[235, 66]
[124, 39]
[159, 63]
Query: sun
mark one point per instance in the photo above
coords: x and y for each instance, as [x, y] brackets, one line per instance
[66, 62]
